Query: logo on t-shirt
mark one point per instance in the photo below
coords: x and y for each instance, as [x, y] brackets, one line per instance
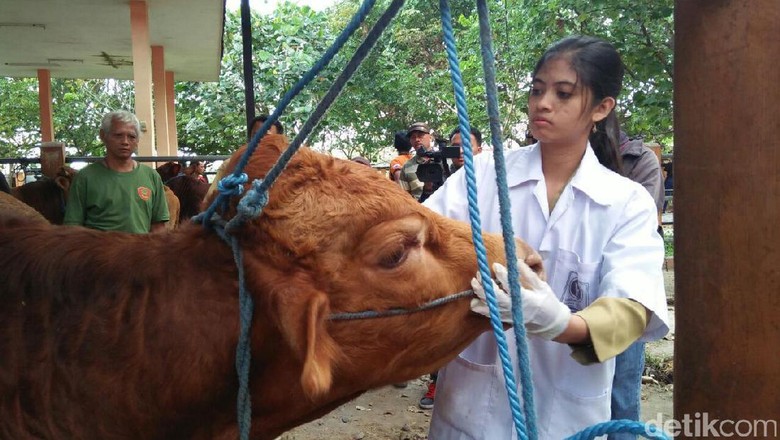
[144, 193]
[577, 294]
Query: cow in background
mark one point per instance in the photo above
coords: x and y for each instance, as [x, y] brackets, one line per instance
[101, 339]
[9, 203]
[174, 209]
[4, 187]
[48, 196]
[187, 188]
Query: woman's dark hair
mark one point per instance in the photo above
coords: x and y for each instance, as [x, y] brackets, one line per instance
[401, 142]
[600, 70]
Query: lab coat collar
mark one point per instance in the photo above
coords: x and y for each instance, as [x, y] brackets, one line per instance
[525, 165]
[591, 178]
[595, 180]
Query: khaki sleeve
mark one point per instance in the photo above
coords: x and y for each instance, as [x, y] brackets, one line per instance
[614, 324]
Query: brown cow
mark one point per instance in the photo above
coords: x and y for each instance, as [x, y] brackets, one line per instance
[99, 339]
[188, 189]
[9, 203]
[48, 196]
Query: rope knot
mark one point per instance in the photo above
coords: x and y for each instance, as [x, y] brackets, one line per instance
[232, 185]
[252, 204]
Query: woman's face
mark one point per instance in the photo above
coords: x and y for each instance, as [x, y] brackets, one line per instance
[560, 109]
[201, 168]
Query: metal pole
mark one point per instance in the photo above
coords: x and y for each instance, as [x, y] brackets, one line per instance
[249, 83]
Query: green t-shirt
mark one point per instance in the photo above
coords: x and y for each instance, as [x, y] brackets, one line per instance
[104, 199]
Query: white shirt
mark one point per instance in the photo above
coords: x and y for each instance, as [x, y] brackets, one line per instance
[599, 240]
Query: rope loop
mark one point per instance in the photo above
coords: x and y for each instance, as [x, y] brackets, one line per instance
[232, 185]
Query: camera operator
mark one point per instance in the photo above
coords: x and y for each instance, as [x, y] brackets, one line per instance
[455, 141]
[427, 170]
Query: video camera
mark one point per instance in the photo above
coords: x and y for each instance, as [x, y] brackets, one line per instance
[437, 169]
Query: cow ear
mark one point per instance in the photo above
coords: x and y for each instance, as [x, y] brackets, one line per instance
[62, 182]
[304, 326]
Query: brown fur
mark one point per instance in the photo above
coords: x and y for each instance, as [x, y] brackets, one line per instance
[173, 209]
[10, 205]
[100, 339]
[48, 196]
[187, 188]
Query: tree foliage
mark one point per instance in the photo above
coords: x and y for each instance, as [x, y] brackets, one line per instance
[405, 79]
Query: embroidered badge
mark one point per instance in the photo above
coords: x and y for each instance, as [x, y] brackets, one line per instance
[577, 294]
[144, 193]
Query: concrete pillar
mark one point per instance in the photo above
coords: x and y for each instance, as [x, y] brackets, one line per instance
[142, 75]
[160, 101]
[727, 205]
[170, 94]
[44, 105]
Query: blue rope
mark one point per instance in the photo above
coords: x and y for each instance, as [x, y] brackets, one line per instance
[251, 205]
[476, 227]
[254, 201]
[524, 363]
[614, 426]
[230, 186]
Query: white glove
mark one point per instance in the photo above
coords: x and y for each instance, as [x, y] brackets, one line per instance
[544, 315]
[479, 304]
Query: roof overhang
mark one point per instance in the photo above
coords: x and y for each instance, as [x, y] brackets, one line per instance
[91, 38]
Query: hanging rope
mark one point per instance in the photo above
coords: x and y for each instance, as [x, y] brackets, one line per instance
[476, 226]
[505, 209]
[230, 186]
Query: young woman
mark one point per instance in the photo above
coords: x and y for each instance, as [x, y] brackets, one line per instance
[596, 232]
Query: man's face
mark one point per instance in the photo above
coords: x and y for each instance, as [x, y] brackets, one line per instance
[420, 139]
[455, 142]
[121, 141]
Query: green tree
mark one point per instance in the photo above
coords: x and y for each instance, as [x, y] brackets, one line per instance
[405, 78]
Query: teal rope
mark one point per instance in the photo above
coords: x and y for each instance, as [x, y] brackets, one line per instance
[614, 426]
[476, 227]
[505, 209]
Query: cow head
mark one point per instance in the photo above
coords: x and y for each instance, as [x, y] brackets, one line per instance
[64, 178]
[336, 236]
[169, 170]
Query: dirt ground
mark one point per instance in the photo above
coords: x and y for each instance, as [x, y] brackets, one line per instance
[392, 413]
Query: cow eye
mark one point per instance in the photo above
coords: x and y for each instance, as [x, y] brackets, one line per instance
[394, 258]
[397, 254]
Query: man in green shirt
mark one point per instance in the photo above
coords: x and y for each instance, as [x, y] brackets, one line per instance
[117, 194]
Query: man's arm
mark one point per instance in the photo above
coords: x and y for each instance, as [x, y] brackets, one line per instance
[74, 208]
[157, 227]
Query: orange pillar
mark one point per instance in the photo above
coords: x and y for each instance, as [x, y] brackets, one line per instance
[44, 105]
[160, 101]
[727, 205]
[142, 75]
[170, 94]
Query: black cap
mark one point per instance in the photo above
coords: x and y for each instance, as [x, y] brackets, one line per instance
[418, 126]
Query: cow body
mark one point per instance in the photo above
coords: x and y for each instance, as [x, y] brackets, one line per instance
[188, 189]
[48, 196]
[100, 339]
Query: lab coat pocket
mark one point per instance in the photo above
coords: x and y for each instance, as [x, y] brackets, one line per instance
[465, 390]
[575, 282]
[571, 414]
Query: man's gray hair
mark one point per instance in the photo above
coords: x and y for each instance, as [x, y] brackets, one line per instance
[122, 116]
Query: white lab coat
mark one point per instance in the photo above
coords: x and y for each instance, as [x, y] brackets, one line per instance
[600, 240]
